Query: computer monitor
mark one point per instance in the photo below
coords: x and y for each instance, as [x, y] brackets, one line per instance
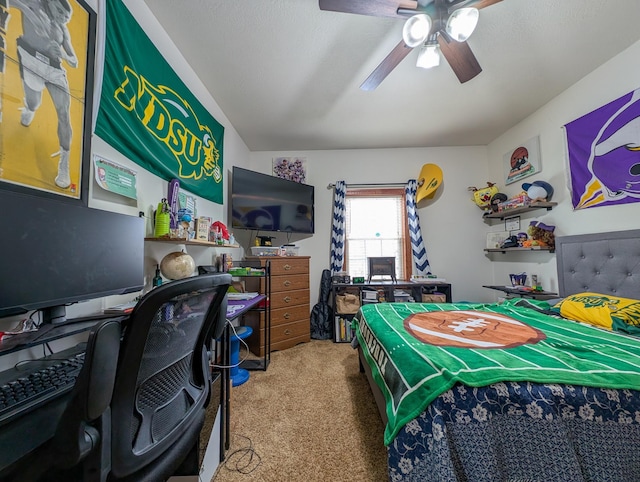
[56, 253]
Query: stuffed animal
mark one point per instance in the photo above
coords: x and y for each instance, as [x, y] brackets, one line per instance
[496, 199]
[482, 197]
[538, 190]
[541, 235]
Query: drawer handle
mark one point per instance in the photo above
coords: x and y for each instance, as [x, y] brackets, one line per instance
[286, 267]
[287, 283]
[286, 316]
[287, 332]
[287, 299]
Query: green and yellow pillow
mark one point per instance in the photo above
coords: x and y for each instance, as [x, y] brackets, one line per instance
[606, 311]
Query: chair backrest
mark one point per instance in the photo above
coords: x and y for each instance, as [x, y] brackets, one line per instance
[75, 436]
[162, 380]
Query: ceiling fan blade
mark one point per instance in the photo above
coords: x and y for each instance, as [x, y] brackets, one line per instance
[460, 57]
[373, 8]
[456, 4]
[485, 3]
[389, 63]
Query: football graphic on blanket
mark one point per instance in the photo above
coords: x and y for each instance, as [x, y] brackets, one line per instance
[471, 329]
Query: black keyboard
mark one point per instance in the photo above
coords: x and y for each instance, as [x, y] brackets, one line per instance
[35, 383]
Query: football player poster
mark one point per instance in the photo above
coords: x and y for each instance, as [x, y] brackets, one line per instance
[45, 91]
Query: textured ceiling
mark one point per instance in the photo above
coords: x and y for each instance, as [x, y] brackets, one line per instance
[287, 74]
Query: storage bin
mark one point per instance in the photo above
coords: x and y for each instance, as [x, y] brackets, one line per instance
[289, 250]
[434, 298]
[347, 303]
[265, 250]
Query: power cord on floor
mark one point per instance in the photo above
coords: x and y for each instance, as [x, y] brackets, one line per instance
[243, 460]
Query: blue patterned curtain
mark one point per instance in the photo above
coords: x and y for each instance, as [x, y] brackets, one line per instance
[337, 230]
[418, 250]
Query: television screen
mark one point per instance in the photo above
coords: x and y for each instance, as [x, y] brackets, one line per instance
[57, 253]
[268, 203]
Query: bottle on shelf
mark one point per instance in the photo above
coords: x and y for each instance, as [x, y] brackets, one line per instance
[157, 279]
[162, 219]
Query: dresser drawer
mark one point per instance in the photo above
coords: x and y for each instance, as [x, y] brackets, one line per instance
[283, 336]
[289, 265]
[290, 314]
[280, 316]
[289, 298]
[287, 282]
[288, 331]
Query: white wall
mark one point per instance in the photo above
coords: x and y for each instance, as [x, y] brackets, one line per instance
[151, 189]
[613, 79]
[452, 226]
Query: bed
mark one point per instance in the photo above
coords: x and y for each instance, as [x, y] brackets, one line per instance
[513, 391]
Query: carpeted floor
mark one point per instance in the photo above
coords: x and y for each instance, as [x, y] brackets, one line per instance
[310, 417]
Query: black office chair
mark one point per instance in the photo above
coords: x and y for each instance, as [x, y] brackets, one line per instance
[149, 428]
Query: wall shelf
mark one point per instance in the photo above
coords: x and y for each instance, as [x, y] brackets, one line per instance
[192, 242]
[506, 250]
[512, 212]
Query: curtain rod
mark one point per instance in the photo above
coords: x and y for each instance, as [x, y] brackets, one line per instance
[386, 184]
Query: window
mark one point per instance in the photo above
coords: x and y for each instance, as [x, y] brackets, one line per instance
[376, 225]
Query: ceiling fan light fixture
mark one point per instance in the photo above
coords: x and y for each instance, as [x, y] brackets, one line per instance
[429, 56]
[416, 30]
[462, 23]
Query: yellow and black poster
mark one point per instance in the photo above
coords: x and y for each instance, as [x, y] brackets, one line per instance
[46, 75]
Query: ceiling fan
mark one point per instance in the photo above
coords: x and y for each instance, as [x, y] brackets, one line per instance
[434, 24]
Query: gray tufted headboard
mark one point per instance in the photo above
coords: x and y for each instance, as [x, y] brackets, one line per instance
[607, 263]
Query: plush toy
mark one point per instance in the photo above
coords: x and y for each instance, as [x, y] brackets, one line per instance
[541, 235]
[482, 197]
[496, 199]
[538, 190]
[522, 238]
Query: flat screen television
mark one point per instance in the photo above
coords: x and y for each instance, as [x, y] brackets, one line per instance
[267, 203]
[57, 253]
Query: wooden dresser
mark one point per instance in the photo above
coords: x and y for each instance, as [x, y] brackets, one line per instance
[289, 304]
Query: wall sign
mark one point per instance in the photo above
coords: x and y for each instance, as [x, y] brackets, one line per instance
[522, 161]
[115, 177]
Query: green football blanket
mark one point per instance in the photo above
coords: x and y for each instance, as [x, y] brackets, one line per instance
[417, 351]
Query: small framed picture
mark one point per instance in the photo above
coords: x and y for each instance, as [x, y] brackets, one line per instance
[291, 168]
[523, 161]
[496, 238]
[512, 223]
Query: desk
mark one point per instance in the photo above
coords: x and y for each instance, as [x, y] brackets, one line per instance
[235, 309]
[386, 292]
[49, 333]
[520, 293]
[25, 433]
[416, 289]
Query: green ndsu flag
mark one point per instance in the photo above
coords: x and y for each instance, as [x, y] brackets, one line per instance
[149, 115]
